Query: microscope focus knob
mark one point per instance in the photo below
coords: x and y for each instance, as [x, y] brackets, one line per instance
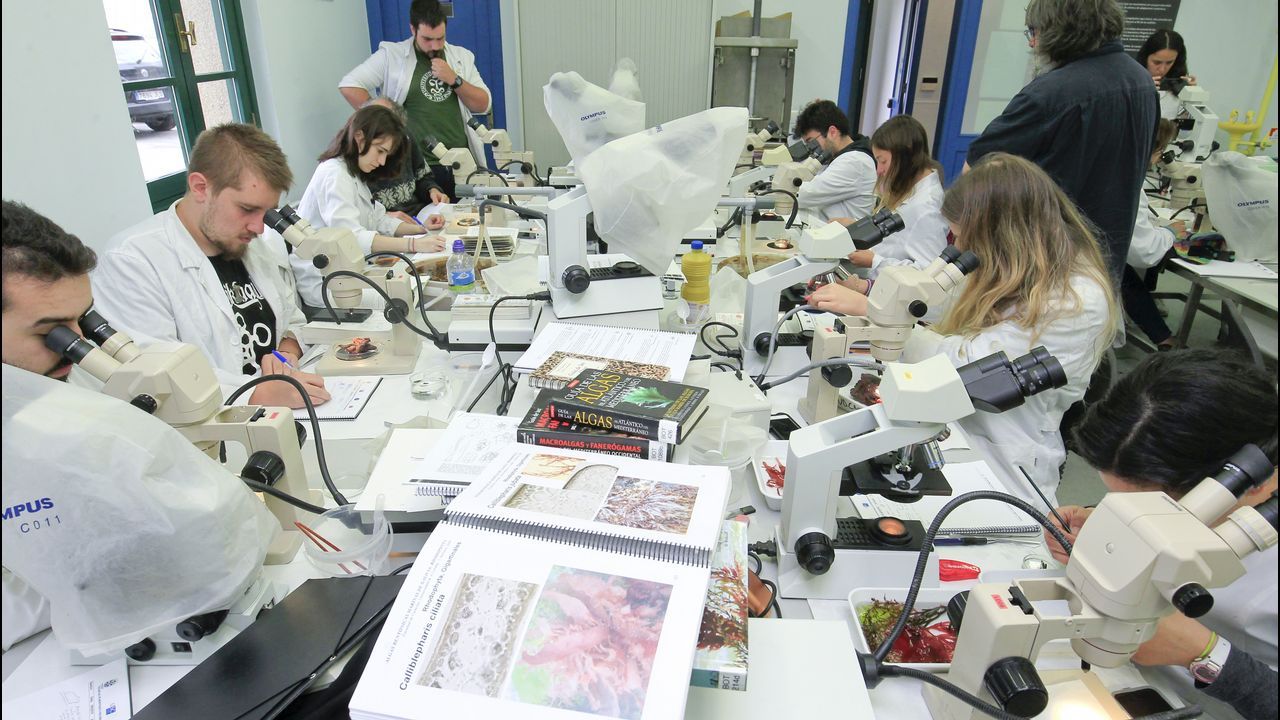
[1192, 600]
[1016, 686]
[955, 609]
[576, 279]
[141, 651]
[145, 403]
[320, 261]
[814, 553]
[918, 308]
[837, 375]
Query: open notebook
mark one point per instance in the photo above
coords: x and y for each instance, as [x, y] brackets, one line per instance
[561, 583]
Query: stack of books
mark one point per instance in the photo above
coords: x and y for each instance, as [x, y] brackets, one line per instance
[541, 427]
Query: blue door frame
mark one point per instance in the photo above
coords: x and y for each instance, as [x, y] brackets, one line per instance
[950, 145]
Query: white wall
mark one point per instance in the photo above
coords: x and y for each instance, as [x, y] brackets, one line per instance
[1231, 52]
[818, 26]
[68, 148]
[299, 50]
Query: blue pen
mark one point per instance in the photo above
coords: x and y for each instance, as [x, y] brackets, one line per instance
[961, 541]
[282, 358]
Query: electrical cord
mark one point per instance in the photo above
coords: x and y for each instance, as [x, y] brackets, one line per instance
[324, 295]
[773, 597]
[874, 665]
[795, 204]
[1192, 206]
[282, 495]
[724, 350]
[759, 563]
[735, 217]
[909, 603]
[773, 339]
[505, 370]
[439, 341]
[321, 461]
[401, 569]
[830, 362]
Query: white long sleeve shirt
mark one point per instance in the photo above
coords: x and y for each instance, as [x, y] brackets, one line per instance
[1150, 243]
[846, 187]
[390, 69]
[157, 285]
[1028, 436]
[924, 234]
[336, 198]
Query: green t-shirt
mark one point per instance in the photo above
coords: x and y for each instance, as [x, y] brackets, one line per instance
[432, 107]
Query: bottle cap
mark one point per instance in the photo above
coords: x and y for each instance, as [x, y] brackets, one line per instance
[696, 245]
[459, 246]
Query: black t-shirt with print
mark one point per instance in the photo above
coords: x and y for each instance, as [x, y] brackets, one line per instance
[253, 313]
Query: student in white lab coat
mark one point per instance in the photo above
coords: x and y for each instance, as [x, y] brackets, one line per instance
[436, 82]
[370, 146]
[910, 184]
[45, 286]
[207, 272]
[846, 186]
[1041, 281]
[1163, 427]
[1149, 246]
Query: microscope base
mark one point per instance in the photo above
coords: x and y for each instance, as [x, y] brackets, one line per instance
[384, 363]
[171, 649]
[851, 569]
[607, 297]
[284, 548]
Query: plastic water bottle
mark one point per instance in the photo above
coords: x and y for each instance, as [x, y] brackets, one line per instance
[461, 269]
[696, 291]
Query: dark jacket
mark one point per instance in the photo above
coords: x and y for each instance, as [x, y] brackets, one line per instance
[1090, 124]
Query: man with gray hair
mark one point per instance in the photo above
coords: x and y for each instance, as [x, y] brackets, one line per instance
[1089, 121]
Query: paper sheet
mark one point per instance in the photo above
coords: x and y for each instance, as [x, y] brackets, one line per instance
[1219, 268]
[642, 346]
[347, 396]
[470, 443]
[99, 694]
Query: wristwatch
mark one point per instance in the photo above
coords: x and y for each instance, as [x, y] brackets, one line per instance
[1206, 668]
[457, 82]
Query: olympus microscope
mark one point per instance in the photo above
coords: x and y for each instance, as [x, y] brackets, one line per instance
[339, 258]
[820, 250]
[1139, 557]
[175, 382]
[460, 160]
[791, 175]
[503, 155]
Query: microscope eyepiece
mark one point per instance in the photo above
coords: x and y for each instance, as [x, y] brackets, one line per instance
[1248, 467]
[95, 327]
[276, 220]
[966, 261]
[474, 123]
[888, 221]
[1270, 510]
[870, 230]
[996, 384]
[66, 343]
[772, 128]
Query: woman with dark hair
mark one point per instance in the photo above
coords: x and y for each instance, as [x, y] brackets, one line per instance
[1164, 427]
[910, 184]
[1147, 249]
[1164, 55]
[370, 147]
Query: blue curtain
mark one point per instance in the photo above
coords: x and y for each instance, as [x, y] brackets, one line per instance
[476, 25]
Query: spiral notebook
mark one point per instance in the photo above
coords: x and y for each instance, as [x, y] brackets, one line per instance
[561, 583]
[632, 345]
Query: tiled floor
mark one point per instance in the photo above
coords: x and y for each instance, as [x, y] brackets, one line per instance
[1080, 483]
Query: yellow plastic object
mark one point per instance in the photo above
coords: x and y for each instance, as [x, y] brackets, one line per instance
[696, 267]
[1236, 130]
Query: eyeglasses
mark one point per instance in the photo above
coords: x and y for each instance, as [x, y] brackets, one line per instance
[1030, 32]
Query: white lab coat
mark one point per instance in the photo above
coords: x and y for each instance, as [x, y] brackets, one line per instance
[25, 611]
[1027, 436]
[391, 69]
[924, 234]
[1169, 104]
[154, 283]
[336, 198]
[1150, 243]
[846, 187]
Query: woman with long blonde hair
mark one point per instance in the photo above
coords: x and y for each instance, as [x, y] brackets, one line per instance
[1041, 281]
